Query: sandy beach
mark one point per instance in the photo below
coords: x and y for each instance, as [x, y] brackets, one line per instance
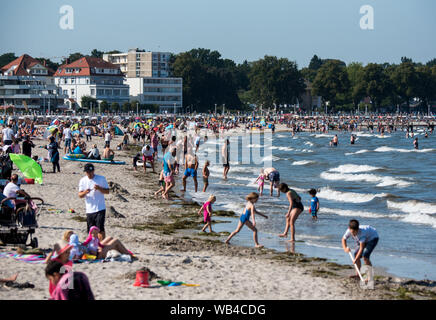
[164, 235]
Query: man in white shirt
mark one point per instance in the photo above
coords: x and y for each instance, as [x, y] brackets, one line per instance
[7, 133]
[67, 137]
[147, 155]
[93, 187]
[366, 238]
[107, 139]
[12, 190]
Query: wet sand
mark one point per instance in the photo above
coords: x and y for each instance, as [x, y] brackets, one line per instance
[164, 235]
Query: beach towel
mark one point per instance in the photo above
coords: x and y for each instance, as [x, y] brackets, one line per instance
[28, 258]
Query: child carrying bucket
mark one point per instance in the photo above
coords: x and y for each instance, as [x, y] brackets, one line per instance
[207, 213]
[249, 212]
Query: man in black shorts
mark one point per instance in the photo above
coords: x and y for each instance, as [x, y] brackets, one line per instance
[93, 187]
[225, 156]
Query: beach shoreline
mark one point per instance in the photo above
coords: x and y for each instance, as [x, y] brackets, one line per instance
[164, 236]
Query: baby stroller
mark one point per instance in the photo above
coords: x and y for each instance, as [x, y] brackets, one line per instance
[18, 222]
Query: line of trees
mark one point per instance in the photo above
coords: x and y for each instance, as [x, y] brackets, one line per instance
[209, 80]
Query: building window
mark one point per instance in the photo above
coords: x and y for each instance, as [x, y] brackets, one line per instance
[72, 92]
[66, 92]
[92, 92]
[73, 80]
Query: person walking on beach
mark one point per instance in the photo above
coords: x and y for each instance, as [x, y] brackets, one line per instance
[191, 166]
[88, 134]
[225, 156]
[295, 209]
[93, 187]
[168, 167]
[207, 213]
[206, 174]
[366, 238]
[27, 147]
[107, 139]
[67, 137]
[249, 212]
[53, 154]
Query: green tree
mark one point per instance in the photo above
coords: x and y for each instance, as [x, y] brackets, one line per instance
[115, 107]
[426, 86]
[207, 78]
[331, 80]
[113, 52]
[275, 81]
[87, 101]
[431, 63]
[126, 107]
[104, 106]
[376, 83]
[405, 81]
[355, 75]
[7, 58]
[96, 53]
[72, 57]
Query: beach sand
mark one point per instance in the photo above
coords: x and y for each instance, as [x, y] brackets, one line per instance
[149, 231]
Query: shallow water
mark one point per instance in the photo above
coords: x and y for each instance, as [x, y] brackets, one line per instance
[381, 181]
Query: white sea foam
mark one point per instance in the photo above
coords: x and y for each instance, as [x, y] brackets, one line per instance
[308, 143]
[357, 152]
[348, 197]
[323, 135]
[413, 206]
[270, 158]
[282, 148]
[353, 168]
[352, 213]
[302, 163]
[382, 181]
[389, 149]
[420, 218]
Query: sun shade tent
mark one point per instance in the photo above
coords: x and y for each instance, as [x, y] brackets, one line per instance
[118, 131]
[29, 167]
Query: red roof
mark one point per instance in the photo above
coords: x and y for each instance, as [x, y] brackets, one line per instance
[87, 66]
[22, 64]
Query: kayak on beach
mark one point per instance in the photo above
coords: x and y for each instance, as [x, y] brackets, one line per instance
[93, 160]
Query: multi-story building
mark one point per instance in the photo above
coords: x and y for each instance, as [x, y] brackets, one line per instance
[140, 63]
[27, 83]
[165, 92]
[93, 77]
[308, 101]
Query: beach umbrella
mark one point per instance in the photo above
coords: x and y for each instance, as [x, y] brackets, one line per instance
[55, 122]
[29, 167]
[75, 127]
[49, 131]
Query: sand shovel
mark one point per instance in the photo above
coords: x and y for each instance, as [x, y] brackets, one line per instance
[357, 268]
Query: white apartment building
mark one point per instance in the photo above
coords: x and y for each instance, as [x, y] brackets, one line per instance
[27, 83]
[94, 77]
[138, 63]
[165, 92]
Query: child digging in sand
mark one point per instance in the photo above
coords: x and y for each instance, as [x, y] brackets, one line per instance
[207, 213]
[248, 212]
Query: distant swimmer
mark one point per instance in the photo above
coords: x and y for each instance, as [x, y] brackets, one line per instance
[415, 143]
[352, 139]
[334, 141]
[426, 135]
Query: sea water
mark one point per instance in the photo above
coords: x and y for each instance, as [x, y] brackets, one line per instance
[380, 181]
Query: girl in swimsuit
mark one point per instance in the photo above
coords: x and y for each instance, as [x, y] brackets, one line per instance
[249, 212]
[207, 213]
[261, 182]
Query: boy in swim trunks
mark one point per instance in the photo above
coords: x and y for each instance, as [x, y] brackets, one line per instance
[161, 183]
[206, 175]
[249, 212]
[366, 238]
[191, 165]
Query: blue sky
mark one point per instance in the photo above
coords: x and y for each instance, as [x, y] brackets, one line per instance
[238, 29]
